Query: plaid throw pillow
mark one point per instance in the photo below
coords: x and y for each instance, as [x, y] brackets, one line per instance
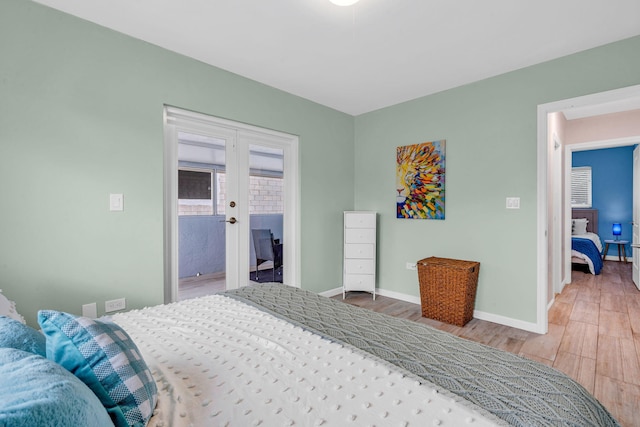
[105, 358]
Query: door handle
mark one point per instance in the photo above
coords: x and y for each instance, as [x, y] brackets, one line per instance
[232, 220]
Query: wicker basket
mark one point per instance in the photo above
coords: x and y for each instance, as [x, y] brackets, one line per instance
[448, 289]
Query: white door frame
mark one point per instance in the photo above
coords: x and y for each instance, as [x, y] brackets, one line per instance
[635, 228]
[241, 134]
[545, 162]
[556, 219]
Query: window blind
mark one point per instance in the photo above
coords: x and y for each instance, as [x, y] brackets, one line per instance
[581, 187]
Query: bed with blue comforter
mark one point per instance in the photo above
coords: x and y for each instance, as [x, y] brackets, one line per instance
[586, 249]
[586, 246]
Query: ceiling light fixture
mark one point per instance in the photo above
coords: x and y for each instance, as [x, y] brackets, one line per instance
[344, 2]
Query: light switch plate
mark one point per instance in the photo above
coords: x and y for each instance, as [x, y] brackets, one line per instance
[513, 202]
[116, 202]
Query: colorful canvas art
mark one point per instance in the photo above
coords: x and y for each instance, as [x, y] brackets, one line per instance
[420, 180]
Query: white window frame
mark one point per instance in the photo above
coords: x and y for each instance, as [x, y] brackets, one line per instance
[212, 178]
[581, 187]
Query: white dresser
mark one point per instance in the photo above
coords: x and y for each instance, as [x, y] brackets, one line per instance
[359, 270]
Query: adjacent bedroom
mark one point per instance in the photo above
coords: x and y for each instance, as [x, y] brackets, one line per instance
[602, 207]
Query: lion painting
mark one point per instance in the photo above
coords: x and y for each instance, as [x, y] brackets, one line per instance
[420, 180]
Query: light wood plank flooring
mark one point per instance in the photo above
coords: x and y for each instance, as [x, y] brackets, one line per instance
[193, 287]
[206, 284]
[594, 335]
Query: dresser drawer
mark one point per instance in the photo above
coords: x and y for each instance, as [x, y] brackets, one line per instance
[357, 220]
[359, 249]
[359, 282]
[359, 235]
[355, 250]
[359, 266]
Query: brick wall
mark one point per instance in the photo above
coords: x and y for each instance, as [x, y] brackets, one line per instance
[266, 196]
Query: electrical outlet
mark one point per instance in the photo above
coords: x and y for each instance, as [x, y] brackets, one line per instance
[115, 305]
[90, 310]
[411, 266]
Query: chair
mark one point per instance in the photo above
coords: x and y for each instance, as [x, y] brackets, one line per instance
[266, 250]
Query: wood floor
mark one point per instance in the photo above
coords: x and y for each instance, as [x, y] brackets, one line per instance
[207, 284]
[193, 287]
[594, 335]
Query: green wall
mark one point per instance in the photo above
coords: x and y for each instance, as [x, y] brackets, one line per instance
[491, 154]
[81, 117]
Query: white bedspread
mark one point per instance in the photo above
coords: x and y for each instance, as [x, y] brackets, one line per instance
[220, 362]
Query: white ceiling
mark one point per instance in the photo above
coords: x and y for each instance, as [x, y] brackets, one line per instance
[377, 53]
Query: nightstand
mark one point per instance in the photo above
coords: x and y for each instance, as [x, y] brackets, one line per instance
[621, 248]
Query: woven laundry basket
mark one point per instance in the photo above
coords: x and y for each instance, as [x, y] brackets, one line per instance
[448, 289]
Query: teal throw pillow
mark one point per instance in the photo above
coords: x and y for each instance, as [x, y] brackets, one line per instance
[35, 391]
[14, 334]
[105, 358]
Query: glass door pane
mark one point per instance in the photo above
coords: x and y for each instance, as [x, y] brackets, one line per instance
[201, 214]
[266, 211]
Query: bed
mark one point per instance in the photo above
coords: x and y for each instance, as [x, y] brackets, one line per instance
[586, 246]
[274, 355]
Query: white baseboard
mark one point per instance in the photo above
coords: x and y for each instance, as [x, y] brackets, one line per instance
[398, 295]
[615, 258]
[489, 317]
[391, 294]
[506, 321]
[331, 292]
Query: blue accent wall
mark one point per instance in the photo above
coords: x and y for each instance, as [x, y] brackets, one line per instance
[612, 180]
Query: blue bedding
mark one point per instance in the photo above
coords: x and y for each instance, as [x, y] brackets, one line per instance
[587, 247]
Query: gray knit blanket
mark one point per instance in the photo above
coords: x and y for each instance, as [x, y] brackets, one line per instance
[519, 391]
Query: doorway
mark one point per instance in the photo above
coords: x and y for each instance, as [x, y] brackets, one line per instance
[213, 170]
[550, 254]
[589, 146]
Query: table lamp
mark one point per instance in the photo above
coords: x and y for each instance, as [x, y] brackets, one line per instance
[616, 230]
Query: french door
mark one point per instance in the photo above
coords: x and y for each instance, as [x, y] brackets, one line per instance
[223, 179]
